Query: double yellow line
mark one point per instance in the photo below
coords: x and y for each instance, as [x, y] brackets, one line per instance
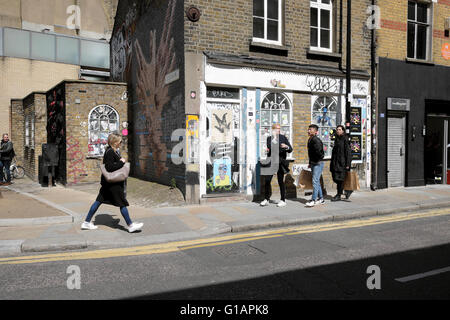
[217, 241]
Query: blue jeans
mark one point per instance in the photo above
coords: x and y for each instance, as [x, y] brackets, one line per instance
[316, 174]
[5, 164]
[96, 205]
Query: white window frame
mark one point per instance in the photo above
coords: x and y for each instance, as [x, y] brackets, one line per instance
[90, 131]
[280, 25]
[321, 6]
[314, 98]
[429, 24]
[262, 139]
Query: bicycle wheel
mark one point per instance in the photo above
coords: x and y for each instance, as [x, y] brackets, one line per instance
[19, 172]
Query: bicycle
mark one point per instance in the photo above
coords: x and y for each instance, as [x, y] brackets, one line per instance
[17, 172]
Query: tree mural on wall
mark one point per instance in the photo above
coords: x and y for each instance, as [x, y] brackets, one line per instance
[153, 93]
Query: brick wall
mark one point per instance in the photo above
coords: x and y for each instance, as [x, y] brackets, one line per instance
[157, 108]
[392, 37]
[35, 106]
[226, 26]
[17, 130]
[81, 98]
[20, 77]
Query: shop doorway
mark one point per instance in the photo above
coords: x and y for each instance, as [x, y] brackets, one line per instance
[437, 149]
[396, 151]
[223, 146]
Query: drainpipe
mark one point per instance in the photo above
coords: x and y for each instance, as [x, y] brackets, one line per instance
[349, 65]
[374, 110]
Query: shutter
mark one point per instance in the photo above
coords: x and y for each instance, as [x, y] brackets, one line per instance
[396, 138]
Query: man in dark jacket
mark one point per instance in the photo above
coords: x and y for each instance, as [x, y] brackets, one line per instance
[316, 155]
[6, 156]
[281, 147]
[341, 160]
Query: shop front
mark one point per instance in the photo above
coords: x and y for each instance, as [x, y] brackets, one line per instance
[239, 105]
[413, 121]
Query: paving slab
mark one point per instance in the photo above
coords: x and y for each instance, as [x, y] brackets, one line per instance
[185, 222]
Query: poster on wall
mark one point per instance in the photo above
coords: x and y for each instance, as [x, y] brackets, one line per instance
[355, 120]
[222, 172]
[221, 130]
[192, 139]
[356, 147]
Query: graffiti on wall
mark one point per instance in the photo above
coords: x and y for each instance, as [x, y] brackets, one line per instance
[121, 45]
[153, 92]
[75, 160]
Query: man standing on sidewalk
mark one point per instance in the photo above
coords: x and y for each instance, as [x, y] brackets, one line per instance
[316, 155]
[6, 156]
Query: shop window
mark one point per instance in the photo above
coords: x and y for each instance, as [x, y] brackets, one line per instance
[324, 113]
[103, 120]
[267, 21]
[275, 109]
[419, 30]
[321, 32]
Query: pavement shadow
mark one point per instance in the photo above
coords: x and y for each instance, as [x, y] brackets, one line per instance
[348, 280]
[108, 221]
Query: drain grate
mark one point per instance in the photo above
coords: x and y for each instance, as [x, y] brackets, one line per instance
[238, 251]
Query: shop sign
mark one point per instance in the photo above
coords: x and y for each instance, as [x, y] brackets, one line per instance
[397, 104]
[223, 93]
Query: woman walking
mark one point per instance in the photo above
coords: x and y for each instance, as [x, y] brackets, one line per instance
[280, 143]
[112, 193]
[341, 160]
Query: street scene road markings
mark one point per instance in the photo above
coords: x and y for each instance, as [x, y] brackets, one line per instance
[217, 241]
[423, 275]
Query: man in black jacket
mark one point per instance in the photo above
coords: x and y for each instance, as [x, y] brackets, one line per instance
[316, 155]
[341, 160]
[6, 156]
[281, 147]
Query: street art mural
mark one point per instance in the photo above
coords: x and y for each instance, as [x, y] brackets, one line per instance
[147, 51]
[152, 91]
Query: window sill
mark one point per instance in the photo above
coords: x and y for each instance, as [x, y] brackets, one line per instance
[323, 55]
[427, 62]
[275, 49]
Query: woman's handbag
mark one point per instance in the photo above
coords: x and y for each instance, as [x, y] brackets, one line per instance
[351, 182]
[118, 175]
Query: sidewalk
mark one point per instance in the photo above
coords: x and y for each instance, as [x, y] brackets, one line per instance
[36, 219]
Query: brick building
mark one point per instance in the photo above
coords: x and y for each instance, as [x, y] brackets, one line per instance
[44, 42]
[75, 115]
[413, 93]
[223, 72]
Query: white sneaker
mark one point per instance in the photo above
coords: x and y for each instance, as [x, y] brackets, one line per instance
[264, 203]
[281, 204]
[311, 203]
[135, 227]
[88, 226]
[320, 201]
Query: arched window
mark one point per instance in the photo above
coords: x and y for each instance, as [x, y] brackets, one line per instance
[275, 108]
[103, 120]
[324, 114]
